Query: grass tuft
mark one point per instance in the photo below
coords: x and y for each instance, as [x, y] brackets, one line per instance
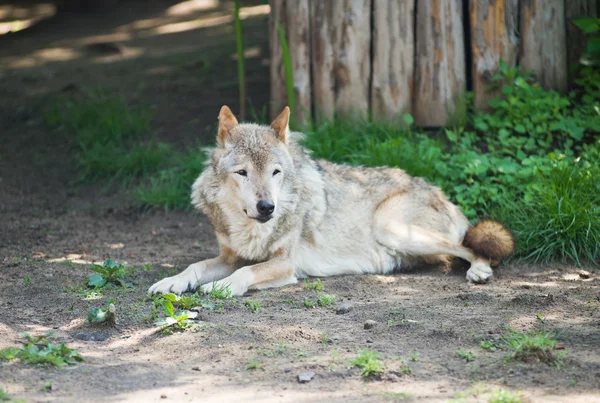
[368, 362]
[532, 346]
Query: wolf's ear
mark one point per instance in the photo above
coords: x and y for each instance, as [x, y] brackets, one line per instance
[281, 125]
[226, 123]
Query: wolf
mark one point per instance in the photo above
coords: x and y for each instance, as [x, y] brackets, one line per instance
[280, 215]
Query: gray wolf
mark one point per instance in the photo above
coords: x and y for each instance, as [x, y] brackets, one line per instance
[279, 215]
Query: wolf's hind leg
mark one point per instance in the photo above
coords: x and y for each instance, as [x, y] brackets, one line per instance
[412, 240]
[198, 273]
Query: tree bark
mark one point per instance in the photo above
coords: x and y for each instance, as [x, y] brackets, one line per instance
[341, 38]
[440, 61]
[393, 58]
[544, 42]
[494, 29]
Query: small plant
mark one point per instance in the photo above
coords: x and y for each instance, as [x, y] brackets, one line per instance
[220, 292]
[490, 345]
[534, 345]
[253, 365]
[278, 349]
[47, 387]
[368, 362]
[176, 319]
[108, 273]
[4, 397]
[466, 355]
[254, 306]
[504, 396]
[104, 315]
[308, 303]
[325, 300]
[26, 280]
[325, 338]
[316, 285]
[415, 357]
[40, 351]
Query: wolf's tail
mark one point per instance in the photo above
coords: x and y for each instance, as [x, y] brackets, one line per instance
[491, 240]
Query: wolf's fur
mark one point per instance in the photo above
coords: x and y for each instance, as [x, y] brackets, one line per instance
[328, 220]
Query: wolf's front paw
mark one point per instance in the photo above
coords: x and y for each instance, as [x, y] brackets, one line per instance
[479, 272]
[177, 284]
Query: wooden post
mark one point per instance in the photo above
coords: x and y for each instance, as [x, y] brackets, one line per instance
[440, 61]
[494, 27]
[293, 15]
[341, 38]
[576, 39]
[278, 96]
[544, 42]
[393, 58]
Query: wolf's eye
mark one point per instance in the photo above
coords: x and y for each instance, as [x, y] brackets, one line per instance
[242, 172]
[275, 172]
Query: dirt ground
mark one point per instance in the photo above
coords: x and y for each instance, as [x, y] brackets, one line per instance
[180, 62]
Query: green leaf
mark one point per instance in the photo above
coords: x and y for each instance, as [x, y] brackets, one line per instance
[452, 136]
[96, 280]
[587, 24]
[171, 297]
[168, 307]
[111, 264]
[593, 46]
[408, 119]
[97, 315]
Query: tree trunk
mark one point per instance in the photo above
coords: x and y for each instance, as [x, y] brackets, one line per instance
[440, 61]
[544, 42]
[494, 27]
[393, 58]
[341, 37]
[576, 39]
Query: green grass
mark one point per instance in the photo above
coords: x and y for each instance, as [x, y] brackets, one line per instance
[254, 306]
[4, 397]
[504, 396]
[325, 300]
[368, 362]
[253, 365]
[170, 188]
[559, 219]
[39, 350]
[466, 355]
[536, 345]
[316, 285]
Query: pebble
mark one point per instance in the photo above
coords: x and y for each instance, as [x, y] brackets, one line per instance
[344, 308]
[306, 377]
[370, 324]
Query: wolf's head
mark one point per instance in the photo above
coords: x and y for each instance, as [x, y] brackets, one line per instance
[253, 163]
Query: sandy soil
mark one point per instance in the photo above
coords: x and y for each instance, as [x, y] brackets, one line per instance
[50, 228]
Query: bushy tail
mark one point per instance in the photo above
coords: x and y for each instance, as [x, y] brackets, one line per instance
[491, 240]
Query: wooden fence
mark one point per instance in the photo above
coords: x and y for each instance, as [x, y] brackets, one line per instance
[390, 57]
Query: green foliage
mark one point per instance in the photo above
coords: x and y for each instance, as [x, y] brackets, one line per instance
[591, 27]
[368, 362]
[169, 188]
[254, 306]
[287, 67]
[325, 300]
[534, 345]
[466, 355]
[316, 285]
[103, 315]
[176, 319]
[26, 280]
[559, 215]
[490, 345]
[504, 396]
[253, 364]
[110, 272]
[222, 292]
[40, 351]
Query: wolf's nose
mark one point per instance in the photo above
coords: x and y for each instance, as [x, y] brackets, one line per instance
[265, 208]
